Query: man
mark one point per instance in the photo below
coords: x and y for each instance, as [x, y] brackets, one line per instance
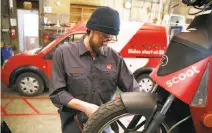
[86, 73]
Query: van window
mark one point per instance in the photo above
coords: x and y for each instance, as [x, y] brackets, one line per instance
[70, 38]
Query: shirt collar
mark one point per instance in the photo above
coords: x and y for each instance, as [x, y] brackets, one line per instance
[83, 49]
[104, 51]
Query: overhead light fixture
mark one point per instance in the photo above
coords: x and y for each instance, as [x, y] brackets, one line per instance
[128, 4]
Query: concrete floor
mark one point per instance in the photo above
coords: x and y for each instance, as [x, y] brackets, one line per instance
[29, 114]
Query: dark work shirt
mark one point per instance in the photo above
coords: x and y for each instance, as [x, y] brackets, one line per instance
[75, 74]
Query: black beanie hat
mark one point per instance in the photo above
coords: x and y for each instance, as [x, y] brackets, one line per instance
[106, 20]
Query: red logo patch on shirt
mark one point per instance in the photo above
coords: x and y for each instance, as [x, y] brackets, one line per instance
[76, 70]
[109, 66]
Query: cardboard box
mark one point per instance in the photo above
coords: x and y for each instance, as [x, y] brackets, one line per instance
[27, 5]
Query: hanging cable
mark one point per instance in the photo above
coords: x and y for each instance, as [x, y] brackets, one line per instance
[207, 6]
[178, 123]
[198, 8]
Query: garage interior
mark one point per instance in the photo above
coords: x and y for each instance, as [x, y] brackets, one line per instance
[53, 17]
[32, 24]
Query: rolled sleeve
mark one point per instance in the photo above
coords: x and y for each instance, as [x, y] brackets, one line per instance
[57, 90]
[126, 80]
[61, 98]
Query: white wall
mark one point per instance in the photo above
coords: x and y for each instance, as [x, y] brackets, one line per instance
[146, 10]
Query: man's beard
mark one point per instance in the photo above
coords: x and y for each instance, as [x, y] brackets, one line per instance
[96, 50]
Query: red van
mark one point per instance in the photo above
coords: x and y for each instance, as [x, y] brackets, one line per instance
[141, 45]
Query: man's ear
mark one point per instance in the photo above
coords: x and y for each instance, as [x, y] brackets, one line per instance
[91, 32]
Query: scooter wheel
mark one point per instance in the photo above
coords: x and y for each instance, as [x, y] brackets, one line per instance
[112, 115]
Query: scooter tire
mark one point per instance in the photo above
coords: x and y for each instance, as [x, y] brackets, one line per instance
[106, 113]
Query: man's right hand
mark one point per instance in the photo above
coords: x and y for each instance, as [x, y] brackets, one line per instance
[90, 109]
[87, 108]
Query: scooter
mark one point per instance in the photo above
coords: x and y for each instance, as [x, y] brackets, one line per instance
[181, 100]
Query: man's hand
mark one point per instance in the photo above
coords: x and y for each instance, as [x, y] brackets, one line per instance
[90, 109]
[117, 96]
[85, 107]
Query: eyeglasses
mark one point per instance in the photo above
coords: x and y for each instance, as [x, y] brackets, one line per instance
[108, 38]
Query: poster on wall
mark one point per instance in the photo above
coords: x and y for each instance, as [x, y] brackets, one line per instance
[13, 22]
